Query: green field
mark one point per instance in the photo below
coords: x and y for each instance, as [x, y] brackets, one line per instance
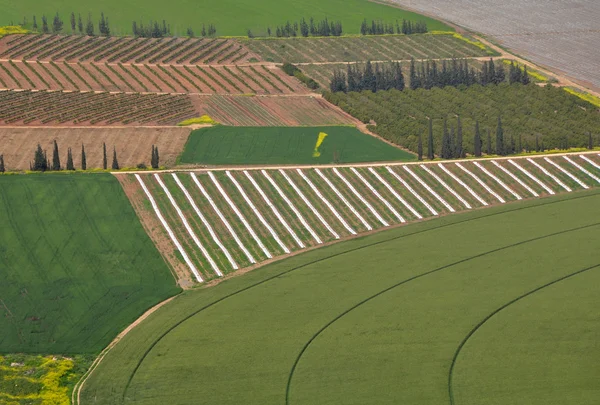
[230, 17]
[223, 145]
[77, 267]
[413, 315]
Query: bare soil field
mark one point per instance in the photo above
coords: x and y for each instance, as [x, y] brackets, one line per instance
[561, 35]
[133, 145]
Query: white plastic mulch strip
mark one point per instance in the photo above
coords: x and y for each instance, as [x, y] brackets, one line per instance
[169, 231]
[275, 210]
[590, 161]
[343, 199]
[547, 173]
[292, 207]
[308, 203]
[257, 212]
[463, 184]
[360, 197]
[239, 215]
[531, 176]
[582, 169]
[326, 202]
[379, 196]
[190, 231]
[412, 191]
[565, 171]
[481, 183]
[432, 191]
[497, 180]
[515, 178]
[395, 194]
[212, 233]
[223, 219]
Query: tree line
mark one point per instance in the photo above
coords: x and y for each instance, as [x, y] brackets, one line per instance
[383, 28]
[42, 163]
[312, 28]
[382, 77]
[76, 23]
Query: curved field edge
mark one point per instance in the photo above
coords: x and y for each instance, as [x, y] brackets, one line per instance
[108, 383]
[548, 356]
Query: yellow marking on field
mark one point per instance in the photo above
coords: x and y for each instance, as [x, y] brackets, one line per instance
[320, 139]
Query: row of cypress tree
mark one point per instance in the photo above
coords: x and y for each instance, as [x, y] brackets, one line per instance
[382, 28]
[383, 77]
[77, 25]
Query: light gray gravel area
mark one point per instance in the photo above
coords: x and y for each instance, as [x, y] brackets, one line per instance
[562, 35]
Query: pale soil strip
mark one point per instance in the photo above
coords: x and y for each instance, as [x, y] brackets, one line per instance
[275, 210]
[412, 191]
[462, 183]
[581, 183]
[292, 207]
[383, 200]
[547, 173]
[590, 161]
[515, 178]
[256, 212]
[490, 174]
[395, 194]
[582, 169]
[436, 195]
[239, 214]
[360, 197]
[343, 199]
[169, 231]
[212, 233]
[326, 202]
[481, 183]
[222, 218]
[307, 202]
[531, 176]
[187, 226]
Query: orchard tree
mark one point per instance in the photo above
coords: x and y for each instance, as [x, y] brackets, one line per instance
[477, 141]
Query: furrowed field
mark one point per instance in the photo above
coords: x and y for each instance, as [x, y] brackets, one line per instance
[223, 145]
[403, 316]
[77, 266]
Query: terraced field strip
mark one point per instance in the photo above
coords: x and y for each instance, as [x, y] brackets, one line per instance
[497, 180]
[393, 192]
[515, 178]
[480, 182]
[543, 170]
[411, 190]
[578, 166]
[432, 191]
[469, 197]
[531, 176]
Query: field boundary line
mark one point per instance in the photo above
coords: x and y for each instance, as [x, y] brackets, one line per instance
[565, 171]
[169, 231]
[379, 196]
[360, 197]
[187, 226]
[491, 315]
[431, 191]
[222, 218]
[276, 276]
[309, 204]
[497, 180]
[531, 176]
[547, 173]
[583, 169]
[205, 222]
[405, 281]
[238, 213]
[326, 202]
[481, 183]
[465, 186]
[515, 178]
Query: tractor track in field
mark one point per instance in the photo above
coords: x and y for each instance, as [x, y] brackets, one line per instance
[430, 272]
[491, 315]
[81, 383]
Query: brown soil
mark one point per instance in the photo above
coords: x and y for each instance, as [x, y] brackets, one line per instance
[133, 144]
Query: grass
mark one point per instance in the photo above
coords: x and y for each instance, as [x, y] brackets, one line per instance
[77, 266]
[395, 317]
[224, 145]
[230, 17]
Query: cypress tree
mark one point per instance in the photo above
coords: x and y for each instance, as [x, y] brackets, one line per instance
[430, 152]
[83, 158]
[420, 147]
[104, 160]
[488, 149]
[414, 81]
[70, 165]
[57, 24]
[458, 149]
[590, 141]
[79, 24]
[525, 77]
[35, 26]
[115, 162]
[157, 157]
[89, 27]
[477, 141]
[45, 29]
[55, 158]
[446, 143]
[40, 164]
[499, 138]
[2, 169]
[73, 23]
